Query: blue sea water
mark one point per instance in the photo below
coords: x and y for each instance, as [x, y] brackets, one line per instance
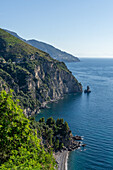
[90, 115]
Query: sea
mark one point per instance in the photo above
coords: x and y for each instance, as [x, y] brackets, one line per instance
[89, 115]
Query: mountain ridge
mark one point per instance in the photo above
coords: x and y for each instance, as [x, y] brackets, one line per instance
[50, 49]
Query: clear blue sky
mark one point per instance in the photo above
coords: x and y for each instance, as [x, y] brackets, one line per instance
[83, 28]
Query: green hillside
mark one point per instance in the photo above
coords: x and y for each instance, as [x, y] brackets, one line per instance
[35, 77]
[12, 48]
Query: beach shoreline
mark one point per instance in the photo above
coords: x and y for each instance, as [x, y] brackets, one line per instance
[61, 159]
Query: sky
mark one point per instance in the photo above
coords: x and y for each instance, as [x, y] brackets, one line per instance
[83, 28]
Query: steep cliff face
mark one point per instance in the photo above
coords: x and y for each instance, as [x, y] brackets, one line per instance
[35, 77]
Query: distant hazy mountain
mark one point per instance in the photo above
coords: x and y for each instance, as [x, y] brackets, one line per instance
[52, 51]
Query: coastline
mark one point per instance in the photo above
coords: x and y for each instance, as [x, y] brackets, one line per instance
[61, 159]
[66, 164]
[44, 105]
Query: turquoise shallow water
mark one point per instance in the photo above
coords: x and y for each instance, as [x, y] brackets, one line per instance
[90, 115]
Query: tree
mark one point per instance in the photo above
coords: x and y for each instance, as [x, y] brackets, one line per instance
[50, 136]
[66, 127]
[50, 122]
[60, 122]
[57, 144]
[61, 145]
[42, 120]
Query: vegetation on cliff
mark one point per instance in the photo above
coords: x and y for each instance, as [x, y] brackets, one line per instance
[55, 135]
[27, 144]
[20, 148]
[35, 77]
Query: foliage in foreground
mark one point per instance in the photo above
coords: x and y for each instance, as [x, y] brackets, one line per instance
[19, 146]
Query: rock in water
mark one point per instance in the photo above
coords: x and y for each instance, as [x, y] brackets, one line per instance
[87, 90]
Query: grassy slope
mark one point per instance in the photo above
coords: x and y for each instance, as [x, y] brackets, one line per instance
[20, 48]
[16, 48]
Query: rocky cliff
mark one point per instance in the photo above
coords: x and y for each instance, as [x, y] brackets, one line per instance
[35, 77]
